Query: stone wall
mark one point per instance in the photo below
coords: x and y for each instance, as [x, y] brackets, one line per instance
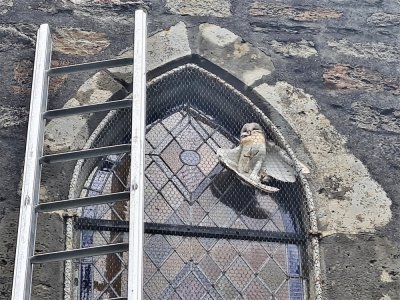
[329, 68]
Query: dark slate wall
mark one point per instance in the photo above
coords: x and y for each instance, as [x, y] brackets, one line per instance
[354, 76]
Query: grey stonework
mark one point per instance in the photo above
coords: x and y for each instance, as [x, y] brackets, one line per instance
[329, 68]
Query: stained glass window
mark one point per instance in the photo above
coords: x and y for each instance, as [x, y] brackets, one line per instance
[208, 234]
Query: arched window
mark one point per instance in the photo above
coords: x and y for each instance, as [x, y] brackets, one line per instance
[208, 234]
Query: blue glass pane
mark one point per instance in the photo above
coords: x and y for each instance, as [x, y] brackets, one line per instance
[294, 260]
[296, 289]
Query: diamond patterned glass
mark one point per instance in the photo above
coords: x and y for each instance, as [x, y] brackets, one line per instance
[220, 238]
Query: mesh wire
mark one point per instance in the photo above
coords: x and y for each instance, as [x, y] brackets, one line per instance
[103, 277]
[190, 115]
[216, 237]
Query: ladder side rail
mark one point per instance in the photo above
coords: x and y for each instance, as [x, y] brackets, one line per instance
[136, 211]
[31, 177]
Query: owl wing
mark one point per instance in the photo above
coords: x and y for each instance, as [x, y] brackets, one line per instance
[278, 164]
[229, 157]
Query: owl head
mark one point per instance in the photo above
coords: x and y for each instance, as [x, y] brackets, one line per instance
[251, 129]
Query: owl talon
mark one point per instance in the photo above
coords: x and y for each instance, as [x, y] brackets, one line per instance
[265, 178]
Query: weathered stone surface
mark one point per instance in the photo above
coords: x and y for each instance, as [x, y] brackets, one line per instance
[66, 134]
[167, 45]
[5, 6]
[23, 70]
[390, 151]
[349, 258]
[259, 8]
[71, 133]
[358, 78]
[379, 150]
[349, 200]
[12, 116]
[111, 12]
[382, 19]
[48, 278]
[200, 8]
[123, 73]
[14, 37]
[98, 89]
[57, 82]
[366, 50]
[302, 49]
[79, 42]
[221, 46]
[270, 27]
[101, 2]
[22, 77]
[376, 119]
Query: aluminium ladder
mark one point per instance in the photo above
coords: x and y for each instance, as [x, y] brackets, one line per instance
[30, 205]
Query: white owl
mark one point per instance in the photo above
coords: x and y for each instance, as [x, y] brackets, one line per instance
[256, 159]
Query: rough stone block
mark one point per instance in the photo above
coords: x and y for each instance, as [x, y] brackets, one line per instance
[124, 73]
[287, 28]
[382, 19]
[167, 45]
[48, 278]
[162, 47]
[74, 41]
[5, 6]
[263, 9]
[358, 78]
[360, 266]
[71, 133]
[12, 116]
[16, 37]
[303, 49]
[66, 134]
[230, 52]
[375, 119]
[214, 8]
[98, 89]
[366, 50]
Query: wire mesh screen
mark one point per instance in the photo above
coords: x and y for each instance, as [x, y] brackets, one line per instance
[209, 233]
[103, 277]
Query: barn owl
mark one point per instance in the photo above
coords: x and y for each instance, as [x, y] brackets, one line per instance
[256, 159]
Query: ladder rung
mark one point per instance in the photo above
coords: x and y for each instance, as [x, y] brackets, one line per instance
[79, 253]
[79, 202]
[89, 153]
[118, 62]
[64, 112]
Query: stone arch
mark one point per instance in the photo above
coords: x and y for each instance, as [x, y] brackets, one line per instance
[352, 209]
[218, 103]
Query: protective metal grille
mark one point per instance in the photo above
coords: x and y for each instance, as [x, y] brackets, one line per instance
[208, 234]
